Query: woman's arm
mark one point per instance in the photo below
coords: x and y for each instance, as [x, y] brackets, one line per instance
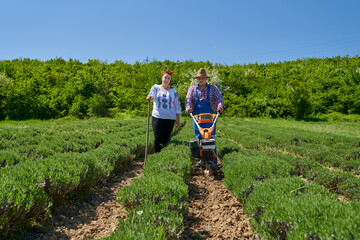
[177, 103]
[152, 93]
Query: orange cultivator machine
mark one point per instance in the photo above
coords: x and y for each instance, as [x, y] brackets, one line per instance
[204, 149]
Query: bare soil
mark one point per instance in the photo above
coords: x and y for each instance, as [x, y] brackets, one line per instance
[213, 212]
[94, 217]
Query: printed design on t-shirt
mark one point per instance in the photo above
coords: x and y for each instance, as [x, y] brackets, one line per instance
[164, 100]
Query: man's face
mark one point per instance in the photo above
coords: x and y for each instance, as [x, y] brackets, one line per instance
[202, 80]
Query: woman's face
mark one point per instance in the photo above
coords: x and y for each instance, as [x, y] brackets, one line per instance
[166, 79]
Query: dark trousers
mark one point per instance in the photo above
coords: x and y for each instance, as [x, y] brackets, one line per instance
[162, 130]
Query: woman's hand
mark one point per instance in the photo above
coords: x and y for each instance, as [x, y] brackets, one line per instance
[188, 110]
[149, 98]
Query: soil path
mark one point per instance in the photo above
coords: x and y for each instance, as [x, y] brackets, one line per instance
[213, 212]
[94, 217]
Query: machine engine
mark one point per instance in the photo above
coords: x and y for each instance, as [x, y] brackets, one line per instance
[203, 149]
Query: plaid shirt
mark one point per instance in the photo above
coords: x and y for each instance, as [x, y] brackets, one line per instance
[216, 98]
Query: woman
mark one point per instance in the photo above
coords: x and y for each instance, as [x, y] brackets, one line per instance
[166, 110]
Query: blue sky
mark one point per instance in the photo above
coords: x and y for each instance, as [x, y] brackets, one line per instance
[225, 32]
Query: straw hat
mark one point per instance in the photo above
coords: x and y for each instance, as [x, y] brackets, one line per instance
[201, 73]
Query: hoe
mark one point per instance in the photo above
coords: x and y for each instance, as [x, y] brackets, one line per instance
[204, 149]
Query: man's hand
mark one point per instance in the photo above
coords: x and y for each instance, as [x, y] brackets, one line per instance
[149, 98]
[220, 108]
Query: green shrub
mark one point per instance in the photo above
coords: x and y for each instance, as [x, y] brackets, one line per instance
[79, 106]
[246, 169]
[312, 217]
[150, 221]
[173, 159]
[97, 106]
[288, 208]
[22, 197]
[164, 187]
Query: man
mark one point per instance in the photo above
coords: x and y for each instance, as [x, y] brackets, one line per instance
[203, 98]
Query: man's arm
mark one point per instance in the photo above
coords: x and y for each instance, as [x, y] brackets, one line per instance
[190, 100]
[220, 99]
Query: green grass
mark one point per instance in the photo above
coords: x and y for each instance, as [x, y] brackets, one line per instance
[351, 129]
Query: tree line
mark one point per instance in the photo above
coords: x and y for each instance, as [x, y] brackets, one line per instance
[56, 88]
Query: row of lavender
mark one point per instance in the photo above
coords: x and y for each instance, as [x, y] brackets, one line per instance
[46, 163]
[157, 202]
[289, 194]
